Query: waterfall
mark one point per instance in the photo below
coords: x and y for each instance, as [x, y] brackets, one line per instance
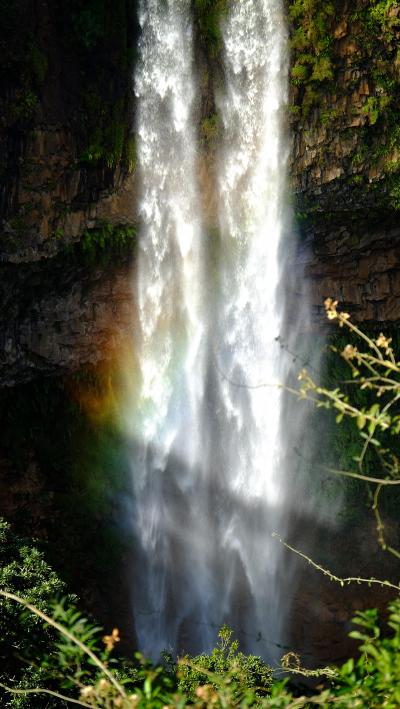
[166, 429]
[252, 171]
[204, 427]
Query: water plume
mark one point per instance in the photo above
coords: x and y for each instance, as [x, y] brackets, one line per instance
[165, 423]
[205, 428]
[252, 178]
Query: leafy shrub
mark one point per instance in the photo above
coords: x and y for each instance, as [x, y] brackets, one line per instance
[225, 679]
[246, 673]
[373, 680]
[24, 570]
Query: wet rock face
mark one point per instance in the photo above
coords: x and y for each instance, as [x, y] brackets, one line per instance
[66, 103]
[57, 317]
[360, 268]
[343, 139]
[56, 199]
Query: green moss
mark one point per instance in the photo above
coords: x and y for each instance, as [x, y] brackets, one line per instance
[311, 44]
[39, 64]
[89, 24]
[329, 116]
[24, 105]
[210, 130]
[107, 238]
[322, 69]
[300, 73]
[103, 244]
[208, 17]
[375, 28]
[371, 109]
[18, 224]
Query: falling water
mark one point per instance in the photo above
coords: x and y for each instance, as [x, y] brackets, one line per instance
[166, 451]
[205, 423]
[252, 170]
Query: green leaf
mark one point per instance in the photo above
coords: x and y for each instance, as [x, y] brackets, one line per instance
[361, 421]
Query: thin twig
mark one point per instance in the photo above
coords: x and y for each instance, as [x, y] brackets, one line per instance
[380, 526]
[343, 581]
[360, 476]
[39, 690]
[67, 634]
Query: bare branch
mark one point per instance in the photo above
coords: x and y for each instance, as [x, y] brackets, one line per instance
[343, 581]
[360, 476]
[39, 690]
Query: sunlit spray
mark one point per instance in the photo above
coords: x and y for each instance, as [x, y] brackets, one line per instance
[205, 424]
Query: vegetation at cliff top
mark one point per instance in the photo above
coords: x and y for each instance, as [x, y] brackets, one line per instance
[373, 25]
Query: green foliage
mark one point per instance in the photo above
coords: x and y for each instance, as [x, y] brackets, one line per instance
[108, 133]
[89, 24]
[374, 679]
[24, 105]
[24, 570]
[247, 674]
[23, 64]
[208, 17]
[131, 153]
[70, 656]
[311, 43]
[363, 394]
[375, 28]
[300, 73]
[81, 667]
[39, 64]
[103, 33]
[329, 116]
[377, 21]
[96, 40]
[102, 244]
[209, 131]
[106, 241]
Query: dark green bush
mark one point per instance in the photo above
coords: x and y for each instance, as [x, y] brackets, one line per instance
[246, 673]
[24, 571]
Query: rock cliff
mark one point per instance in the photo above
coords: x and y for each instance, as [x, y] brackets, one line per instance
[345, 157]
[68, 166]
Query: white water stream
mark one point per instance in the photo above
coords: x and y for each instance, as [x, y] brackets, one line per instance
[205, 425]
